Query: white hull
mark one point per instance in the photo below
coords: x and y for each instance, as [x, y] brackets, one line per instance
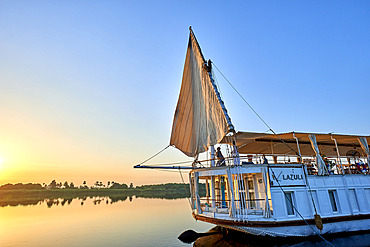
[343, 202]
[305, 230]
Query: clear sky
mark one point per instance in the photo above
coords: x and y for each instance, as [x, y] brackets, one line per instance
[88, 88]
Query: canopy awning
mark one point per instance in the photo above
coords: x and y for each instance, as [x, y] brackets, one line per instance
[262, 143]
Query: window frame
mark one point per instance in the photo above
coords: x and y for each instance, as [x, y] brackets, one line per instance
[290, 204]
[334, 202]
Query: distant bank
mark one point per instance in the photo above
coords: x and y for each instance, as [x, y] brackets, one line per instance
[26, 194]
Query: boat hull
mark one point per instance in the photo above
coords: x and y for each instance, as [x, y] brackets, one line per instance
[305, 230]
[297, 228]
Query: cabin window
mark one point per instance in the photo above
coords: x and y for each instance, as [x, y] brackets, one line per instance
[250, 185]
[333, 201]
[251, 195]
[252, 198]
[353, 200]
[289, 202]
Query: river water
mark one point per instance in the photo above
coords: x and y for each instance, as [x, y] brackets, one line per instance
[103, 221]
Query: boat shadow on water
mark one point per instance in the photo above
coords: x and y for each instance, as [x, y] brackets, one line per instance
[236, 238]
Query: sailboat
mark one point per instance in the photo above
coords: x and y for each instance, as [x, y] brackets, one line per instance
[283, 185]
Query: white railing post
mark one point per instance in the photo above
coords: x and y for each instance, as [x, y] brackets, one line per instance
[196, 193]
[213, 193]
[213, 156]
[231, 188]
[191, 182]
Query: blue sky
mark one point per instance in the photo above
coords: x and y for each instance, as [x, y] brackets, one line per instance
[90, 87]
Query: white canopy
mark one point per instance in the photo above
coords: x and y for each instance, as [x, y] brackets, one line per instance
[263, 143]
[199, 120]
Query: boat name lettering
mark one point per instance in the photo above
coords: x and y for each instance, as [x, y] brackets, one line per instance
[281, 176]
[292, 177]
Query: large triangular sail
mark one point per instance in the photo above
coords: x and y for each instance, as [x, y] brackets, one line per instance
[201, 119]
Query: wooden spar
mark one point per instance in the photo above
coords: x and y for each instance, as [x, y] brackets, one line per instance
[164, 167]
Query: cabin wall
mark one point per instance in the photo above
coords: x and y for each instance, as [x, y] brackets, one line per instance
[347, 203]
[323, 201]
[350, 192]
[367, 197]
[278, 204]
[361, 197]
[304, 203]
[334, 195]
[301, 201]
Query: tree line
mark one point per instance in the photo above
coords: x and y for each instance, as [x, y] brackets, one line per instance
[99, 185]
[66, 185]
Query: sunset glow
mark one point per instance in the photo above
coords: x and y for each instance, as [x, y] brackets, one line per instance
[87, 91]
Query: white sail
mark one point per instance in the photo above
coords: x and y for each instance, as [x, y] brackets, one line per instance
[199, 120]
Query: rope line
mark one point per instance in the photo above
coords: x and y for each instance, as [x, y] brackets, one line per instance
[291, 203]
[154, 155]
[245, 101]
[186, 190]
[270, 129]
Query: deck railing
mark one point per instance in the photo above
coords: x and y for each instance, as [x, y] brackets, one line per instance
[244, 208]
[350, 165]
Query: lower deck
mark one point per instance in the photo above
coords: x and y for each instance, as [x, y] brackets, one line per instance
[261, 195]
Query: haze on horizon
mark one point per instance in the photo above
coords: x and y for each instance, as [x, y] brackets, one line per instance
[88, 88]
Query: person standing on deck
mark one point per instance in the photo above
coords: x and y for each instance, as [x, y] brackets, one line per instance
[264, 160]
[220, 157]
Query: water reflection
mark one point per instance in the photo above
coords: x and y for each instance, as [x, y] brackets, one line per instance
[55, 200]
[119, 221]
[238, 239]
[110, 221]
[23, 202]
[66, 201]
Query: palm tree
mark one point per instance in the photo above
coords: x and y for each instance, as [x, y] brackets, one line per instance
[53, 184]
[66, 185]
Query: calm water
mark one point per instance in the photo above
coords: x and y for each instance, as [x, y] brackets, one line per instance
[98, 222]
[102, 221]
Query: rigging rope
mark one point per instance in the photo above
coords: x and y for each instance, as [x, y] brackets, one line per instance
[186, 190]
[291, 203]
[154, 155]
[270, 129]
